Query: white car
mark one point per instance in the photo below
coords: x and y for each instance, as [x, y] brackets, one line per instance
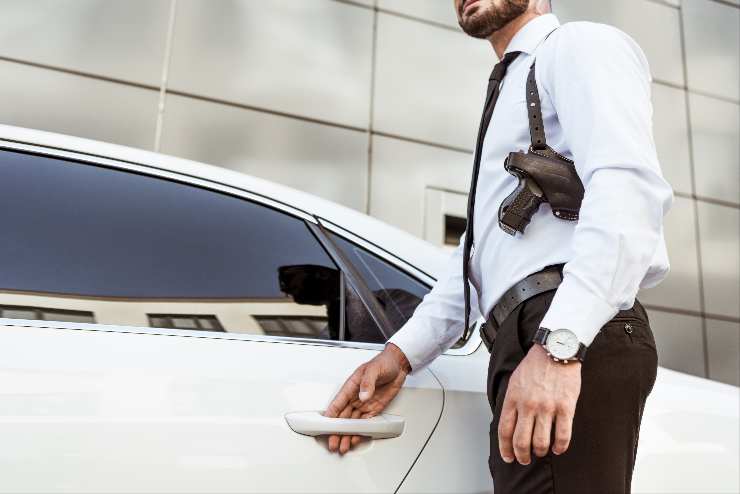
[169, 326]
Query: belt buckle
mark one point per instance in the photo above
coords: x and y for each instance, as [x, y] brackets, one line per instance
[484, 334]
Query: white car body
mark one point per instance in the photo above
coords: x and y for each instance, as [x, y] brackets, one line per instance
[107, 408]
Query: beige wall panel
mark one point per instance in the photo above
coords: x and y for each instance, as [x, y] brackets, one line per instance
[679, 341]
[715, 129]
[724, 350]
[681, 289]
[402, 171]
[80, 106]
[670, 128]
[311, 58]
[654, 26]
[430, 82]
[441, 11]
[719, 229]
[124, 40]
[327, 161]
[712, 47]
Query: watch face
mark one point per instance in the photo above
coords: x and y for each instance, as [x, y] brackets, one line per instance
[562, 344]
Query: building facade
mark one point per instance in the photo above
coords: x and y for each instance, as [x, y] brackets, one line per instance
[374, 104]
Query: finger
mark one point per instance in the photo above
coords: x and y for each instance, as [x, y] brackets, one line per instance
[373, 405]
[367, 383]
[346, 394]
[523, 437]
[506, 425]
[335, 440]
[542, 432]
[390, 390]
[358, 439]
[345, 444]
[382, 396]
[354, 440]
[563, 432]
[333, 443]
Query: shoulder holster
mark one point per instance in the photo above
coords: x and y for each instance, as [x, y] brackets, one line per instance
[544, 175]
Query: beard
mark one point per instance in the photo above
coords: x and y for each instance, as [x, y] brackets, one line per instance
[484, 22]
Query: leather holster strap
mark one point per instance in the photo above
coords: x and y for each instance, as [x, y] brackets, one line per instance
[534, 284]
[536, 125]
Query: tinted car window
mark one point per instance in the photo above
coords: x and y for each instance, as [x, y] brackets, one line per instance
[398, 292]
[131, 249]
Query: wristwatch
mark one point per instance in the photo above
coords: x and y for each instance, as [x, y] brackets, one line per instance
[561, 345]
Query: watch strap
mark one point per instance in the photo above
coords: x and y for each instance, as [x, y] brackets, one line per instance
[540, 336]
[581, 353]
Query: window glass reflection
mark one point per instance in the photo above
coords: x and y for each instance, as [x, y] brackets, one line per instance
[44, 314]
[397, 292]
[135, 250]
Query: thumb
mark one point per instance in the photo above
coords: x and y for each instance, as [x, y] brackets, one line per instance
[367, 384]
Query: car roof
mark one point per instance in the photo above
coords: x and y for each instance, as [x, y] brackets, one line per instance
[413, 250]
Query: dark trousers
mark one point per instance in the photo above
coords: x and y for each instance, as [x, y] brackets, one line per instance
[617, 376]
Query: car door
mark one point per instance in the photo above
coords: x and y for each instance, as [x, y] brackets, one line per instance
[159, 334]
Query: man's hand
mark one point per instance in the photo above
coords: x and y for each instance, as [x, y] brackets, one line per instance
[367, 392]
[542, 394]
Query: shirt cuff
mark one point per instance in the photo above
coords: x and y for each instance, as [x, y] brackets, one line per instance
[418, 348]
[576, 308]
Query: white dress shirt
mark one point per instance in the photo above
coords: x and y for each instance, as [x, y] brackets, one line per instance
[594, 85]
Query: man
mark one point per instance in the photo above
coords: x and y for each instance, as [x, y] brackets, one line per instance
[565, 285]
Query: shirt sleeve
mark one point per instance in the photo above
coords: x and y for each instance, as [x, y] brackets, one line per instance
[438, 320]
[599, 82]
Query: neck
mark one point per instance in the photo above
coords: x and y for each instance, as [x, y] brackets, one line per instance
[500, 39]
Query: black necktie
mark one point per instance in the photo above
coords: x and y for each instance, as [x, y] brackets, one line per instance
[494, 88]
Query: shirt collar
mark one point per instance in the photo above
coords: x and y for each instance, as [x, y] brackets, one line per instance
[528, 38]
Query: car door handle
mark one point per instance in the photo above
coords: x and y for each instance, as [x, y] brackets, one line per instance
[315, 424]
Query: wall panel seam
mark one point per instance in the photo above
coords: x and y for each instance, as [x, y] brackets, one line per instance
[165, 75]
[354, 4]
[695, 204]
[689, 312]
[371, 110]
[709, 200]
[422, 141]
[717, 202]
[718, 97]
[89, 75]
[726, 2]
[245, 106]
[665, 3]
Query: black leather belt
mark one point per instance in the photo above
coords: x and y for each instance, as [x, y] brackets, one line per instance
[534, 284]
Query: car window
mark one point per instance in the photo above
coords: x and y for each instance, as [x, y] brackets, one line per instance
[88, 243]
[397, 292]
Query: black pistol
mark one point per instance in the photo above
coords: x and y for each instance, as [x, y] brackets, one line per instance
[544, 176]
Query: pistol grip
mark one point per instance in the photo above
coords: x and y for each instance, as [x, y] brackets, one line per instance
[517, 210]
